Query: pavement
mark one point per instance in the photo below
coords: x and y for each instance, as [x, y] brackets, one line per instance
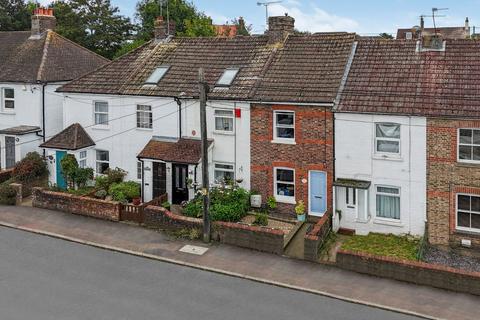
[284, 272]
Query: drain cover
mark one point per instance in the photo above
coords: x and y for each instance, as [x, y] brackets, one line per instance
[194, 250]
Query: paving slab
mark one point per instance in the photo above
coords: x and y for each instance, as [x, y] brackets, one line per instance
[292, 273]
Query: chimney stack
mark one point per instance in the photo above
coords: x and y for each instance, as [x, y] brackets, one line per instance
[162, 30]
[42, 20]
[279, 28]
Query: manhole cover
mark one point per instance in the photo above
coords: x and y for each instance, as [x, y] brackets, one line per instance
[194, 250]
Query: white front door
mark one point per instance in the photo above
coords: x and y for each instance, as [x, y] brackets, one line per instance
[351, 204]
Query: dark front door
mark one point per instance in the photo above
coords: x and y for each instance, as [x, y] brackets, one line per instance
[159, 179]
[179, 183]
[9, 152]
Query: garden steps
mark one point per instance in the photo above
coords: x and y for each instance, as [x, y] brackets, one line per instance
[295, 248]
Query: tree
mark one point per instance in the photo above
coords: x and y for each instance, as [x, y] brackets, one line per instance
[188, 20]
[385, 35]
[15, 15]
[242, 29]
[94, 24]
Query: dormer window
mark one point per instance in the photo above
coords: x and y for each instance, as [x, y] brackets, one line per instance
[157, 75]
[227, 77]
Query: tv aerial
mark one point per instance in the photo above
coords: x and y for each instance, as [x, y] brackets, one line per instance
[266, 4]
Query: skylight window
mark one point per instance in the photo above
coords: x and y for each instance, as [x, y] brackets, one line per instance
[227, 77]
[157, 75]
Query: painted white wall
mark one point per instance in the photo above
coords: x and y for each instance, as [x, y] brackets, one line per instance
[355, 158]
[124, 141]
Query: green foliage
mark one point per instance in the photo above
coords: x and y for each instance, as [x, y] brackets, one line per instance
[15, 15]
[128, 46]
[81, 191]
[124, 191]
[242, 28]
[101, 194]
[111, 176]
[384, 35]
[83, 175]
[300, 208]
[33, 166]
[226, 204]
[186, 233]
[102, 183]
[188, 20]
[261, 219]
[75, 176]
[94, 24]
[7, 195]
[402, 247]
[271, 203]
[166, 205]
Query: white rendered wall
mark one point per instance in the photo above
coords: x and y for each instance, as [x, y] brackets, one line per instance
[355, 159]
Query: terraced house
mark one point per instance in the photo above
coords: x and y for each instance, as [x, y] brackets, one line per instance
[141, 113]
[33, 64]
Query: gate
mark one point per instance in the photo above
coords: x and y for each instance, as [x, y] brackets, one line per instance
[133, 213]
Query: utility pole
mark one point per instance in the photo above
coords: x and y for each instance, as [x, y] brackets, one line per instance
[203, 87]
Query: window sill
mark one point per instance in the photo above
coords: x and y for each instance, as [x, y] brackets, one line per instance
[224, 133]
[388, 222]
[98, 127]
[279, 141]
[145, 129]
[387, 157]
[6, 112]
[468, 232]
[286, 200]
[468, 164]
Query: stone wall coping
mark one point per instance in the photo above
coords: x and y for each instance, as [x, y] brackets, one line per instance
[234, 225]
[73, 196]
[409, 263]
[314, 233]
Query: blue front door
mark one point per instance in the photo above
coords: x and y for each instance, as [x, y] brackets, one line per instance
[61, 183]
[318, 193]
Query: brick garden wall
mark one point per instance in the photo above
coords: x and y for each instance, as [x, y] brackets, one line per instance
[5, 175]
[257, 238]
[410, 271]
[315, 239]
[106, 210]
[445, 178]
[313, 150]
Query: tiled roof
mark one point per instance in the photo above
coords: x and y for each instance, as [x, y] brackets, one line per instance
[446, 32]
[20, 130]
[287, 72]
[72, 138]
[50, 58]
[180, 151]
[392, 77]
[308, 68]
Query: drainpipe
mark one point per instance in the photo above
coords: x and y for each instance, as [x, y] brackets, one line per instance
[44, 84]
[143, 180]
[179, 103]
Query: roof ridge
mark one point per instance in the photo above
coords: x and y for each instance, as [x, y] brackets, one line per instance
[44, 56]
[75, 135]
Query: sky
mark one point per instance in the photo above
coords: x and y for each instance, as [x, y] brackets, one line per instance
[362, 16]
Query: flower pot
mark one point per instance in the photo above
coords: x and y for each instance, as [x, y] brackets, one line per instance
[137, 201]
[301, 217]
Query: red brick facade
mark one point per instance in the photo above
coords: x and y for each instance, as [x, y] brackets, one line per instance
[313, 150]
[446, 177]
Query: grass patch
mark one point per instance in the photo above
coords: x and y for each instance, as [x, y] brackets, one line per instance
[388, 245]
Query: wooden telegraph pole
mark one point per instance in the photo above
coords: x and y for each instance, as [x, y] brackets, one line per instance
[203, 87]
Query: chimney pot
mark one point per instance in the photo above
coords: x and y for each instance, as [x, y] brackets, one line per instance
[279, 28]
[42, 20]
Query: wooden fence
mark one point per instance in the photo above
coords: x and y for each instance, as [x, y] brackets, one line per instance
[133, 213]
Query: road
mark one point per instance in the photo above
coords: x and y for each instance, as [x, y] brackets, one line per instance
[45, 278]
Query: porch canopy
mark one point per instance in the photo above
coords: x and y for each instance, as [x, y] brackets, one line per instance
[352, 183]
[72, 138]
[20, 130]
[183, 150]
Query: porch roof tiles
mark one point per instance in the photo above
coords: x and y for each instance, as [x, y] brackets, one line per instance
[72, 138]
[173, 150]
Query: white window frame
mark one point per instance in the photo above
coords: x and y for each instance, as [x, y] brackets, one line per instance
[139, 170]
[144, 118]
[215, 169]
[351, 197]
[5, 99]
[82, 159]
[232, 117]
[280, 198]
[457, 227]
[398, 195]
[221, 82]
[275, 126]
[466, 144]
[95, 112]
[399, 140]
[157, 75]
[101, 161]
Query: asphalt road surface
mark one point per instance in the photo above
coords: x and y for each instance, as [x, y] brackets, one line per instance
[44, 278]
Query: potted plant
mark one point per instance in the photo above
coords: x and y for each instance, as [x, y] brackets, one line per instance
[300, 211]
[137, 201]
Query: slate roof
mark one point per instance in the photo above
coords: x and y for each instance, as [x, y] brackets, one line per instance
[446, 32]
[50, 58]
[391, 77]
[72, 138]
[169, 150]
[286, 72]
[20, 130]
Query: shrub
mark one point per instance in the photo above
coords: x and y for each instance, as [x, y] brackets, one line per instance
[8, 195]
[166, 205]
[271, 203]
[33, 166]
[101, 194]
[81, 191]
[102, 183]
[261, 219]
[124, 191]
[112, 176]
[82, 176]
[69, 166]
[300, 208]
[226, 204]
